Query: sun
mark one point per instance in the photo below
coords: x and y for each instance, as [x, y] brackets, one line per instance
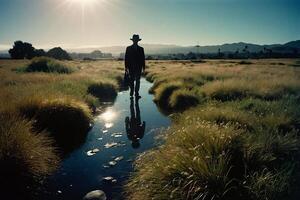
[83, 2]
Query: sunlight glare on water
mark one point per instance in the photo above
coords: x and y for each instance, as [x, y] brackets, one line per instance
[108, 116]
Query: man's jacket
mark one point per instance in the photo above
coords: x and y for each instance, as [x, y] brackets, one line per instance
[135, 59]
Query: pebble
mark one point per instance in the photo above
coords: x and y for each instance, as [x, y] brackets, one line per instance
[117, 135]
[109, 145]
[112, 163]
[92, 152]
[119, 158]
[95, 195]
[108, 178]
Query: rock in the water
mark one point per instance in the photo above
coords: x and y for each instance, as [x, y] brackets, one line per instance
[109, 145]
[95, 195]
[119, 158]
[117, 135]
[112, 163]
[92, 152]
[108, 178]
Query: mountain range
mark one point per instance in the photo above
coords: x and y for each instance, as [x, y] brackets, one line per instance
[174, 49]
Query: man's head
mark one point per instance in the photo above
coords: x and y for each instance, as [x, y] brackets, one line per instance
[135, 39]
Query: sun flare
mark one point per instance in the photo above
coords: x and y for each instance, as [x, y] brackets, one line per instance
[83, 2]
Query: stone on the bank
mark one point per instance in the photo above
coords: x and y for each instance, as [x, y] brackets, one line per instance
[95, 195]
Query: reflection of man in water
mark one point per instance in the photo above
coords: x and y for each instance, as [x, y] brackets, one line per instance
[134, 128]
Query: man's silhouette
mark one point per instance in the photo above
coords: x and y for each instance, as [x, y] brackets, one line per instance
[134, 65]
[134, 128]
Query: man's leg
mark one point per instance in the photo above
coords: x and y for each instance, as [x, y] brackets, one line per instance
[131, 84]
[137, 85]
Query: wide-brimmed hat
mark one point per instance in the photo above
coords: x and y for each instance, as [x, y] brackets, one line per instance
[135, 37]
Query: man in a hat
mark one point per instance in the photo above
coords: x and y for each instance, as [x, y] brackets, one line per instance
[135, 65]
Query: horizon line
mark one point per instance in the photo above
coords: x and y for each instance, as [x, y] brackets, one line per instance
[4, 47]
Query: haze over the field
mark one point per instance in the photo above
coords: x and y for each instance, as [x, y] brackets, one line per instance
[87, 23]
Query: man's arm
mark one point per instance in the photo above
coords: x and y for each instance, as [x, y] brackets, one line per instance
[126, 59]
[143, 57]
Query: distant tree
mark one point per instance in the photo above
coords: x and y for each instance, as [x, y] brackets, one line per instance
[245, 49]
[39, 52]
[96, 54]
[22, 50]
[58, 53]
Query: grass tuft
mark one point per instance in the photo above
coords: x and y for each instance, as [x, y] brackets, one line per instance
[67, 120]
[183, 99]
[103, 91]
[25, 156]
[48, 65]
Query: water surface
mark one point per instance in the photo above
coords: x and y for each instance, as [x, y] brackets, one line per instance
[80, 173]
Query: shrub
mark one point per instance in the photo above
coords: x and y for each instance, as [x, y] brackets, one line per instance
[24, 154]
[103, 91]
[244, 62]
[49, 65]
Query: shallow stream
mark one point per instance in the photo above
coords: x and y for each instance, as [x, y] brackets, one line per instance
[105, 160]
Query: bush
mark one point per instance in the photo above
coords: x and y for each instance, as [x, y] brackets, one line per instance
[103, 91]
[58, 53]
[244, 62]
[24, 154]
[44, 64]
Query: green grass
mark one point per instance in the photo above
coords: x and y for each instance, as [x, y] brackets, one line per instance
[218, 152]
[238, 137]
[48, 65]
[63, 117]
[23, 152]
[57, 101]
[183, 99]
[103, 91]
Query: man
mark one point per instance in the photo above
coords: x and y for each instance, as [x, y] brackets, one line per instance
[135, 65]
[135, 129]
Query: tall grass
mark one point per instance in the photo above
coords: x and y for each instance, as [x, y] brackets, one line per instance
[67, 119]
[210, 154]
[58, 102]
[240, 142]
[103, 91]
[49, 65]
[25, 156]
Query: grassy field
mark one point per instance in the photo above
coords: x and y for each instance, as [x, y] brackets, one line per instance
[235, 132]
[46, 109]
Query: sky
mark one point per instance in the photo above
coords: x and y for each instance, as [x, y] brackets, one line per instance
[89, 23]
